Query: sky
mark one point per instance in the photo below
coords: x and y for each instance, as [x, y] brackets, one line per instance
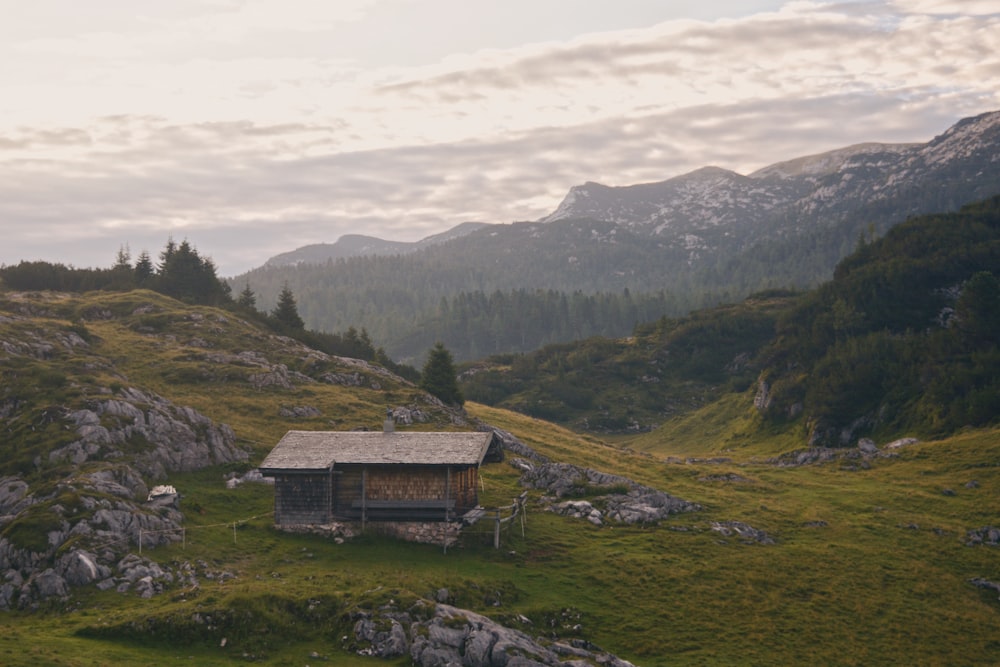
[254, 127]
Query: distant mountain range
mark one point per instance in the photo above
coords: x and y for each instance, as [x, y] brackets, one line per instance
[691, 210]
[359, 245]
[712, 208]
[701, 238]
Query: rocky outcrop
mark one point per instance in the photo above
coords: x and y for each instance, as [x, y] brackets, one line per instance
[612, 497]
[91, 520]
[860, 456]
[986, 536]
[80, 530]
[278, 376]
[173, 438]
[742, 531]
[299, 411]
[439, 634]
[513, 445]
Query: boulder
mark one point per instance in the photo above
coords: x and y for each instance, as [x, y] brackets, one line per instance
[987, 535]
[623, 500]
[745, 532]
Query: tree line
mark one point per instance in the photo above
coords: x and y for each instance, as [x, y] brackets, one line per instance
[184, 274]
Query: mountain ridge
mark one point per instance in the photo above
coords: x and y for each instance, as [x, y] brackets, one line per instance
[358, 245]
[700, 239]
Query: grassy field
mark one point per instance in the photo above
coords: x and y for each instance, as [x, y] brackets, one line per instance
[869, 567]
[869, 564]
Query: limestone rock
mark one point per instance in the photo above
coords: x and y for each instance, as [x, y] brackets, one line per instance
[453, 636]
[987, 535]
[623, 500]
[747, 533]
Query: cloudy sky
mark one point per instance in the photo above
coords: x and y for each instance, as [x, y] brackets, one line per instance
[253, 127]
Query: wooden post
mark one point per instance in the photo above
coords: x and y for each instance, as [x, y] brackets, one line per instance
[496, 531]
[329, 495]
[234, 532]
[447, 490]
[520, 506]
[364, 497]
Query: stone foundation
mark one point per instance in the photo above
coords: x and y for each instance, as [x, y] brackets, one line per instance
[442, 533]
[338, 531]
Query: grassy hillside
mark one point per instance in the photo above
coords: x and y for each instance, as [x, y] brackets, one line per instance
[869, 563]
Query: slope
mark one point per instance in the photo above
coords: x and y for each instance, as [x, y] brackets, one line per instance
[864, 564]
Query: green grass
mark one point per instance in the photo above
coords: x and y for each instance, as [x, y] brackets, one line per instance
[869, 565]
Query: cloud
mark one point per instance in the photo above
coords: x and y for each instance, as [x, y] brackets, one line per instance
[248, 156]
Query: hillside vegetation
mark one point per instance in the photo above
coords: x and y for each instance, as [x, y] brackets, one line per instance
[881, 551]
[867, 559]
[903, 339]
[611, 257]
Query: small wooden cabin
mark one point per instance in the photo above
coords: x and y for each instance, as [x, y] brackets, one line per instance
[359, 476]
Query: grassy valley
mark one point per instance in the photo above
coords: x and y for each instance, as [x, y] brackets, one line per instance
[858, 554]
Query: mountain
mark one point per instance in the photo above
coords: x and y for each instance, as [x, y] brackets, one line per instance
[356, 245]
[696, 240]
[713, 210]
[902, 339]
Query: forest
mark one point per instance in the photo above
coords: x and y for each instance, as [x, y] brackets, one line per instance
[903, 338]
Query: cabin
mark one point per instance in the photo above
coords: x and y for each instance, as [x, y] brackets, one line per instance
[322, 477]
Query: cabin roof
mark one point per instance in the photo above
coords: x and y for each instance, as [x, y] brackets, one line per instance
[320, 450]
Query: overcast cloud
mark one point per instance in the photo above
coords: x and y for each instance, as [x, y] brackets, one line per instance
[254, 127]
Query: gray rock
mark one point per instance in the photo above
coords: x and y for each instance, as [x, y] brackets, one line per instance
[299, 412]
[80, 568]
[14, 495]
[453, 636]
[747, 533]
[867, 446]
[391, 642]
[979, 582]
[48, 584]
[987, 535]
[902, 442]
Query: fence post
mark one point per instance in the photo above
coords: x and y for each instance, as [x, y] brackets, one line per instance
[496, 531]
[234, 532]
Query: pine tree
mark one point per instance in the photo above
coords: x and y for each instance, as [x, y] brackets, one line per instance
[144, 269]
[247, 298]
[438, 377]
[287, 311]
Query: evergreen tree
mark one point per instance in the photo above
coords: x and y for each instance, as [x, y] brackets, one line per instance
[144, 269]
[287, 311]
[247, 298]
[123, 260]
[187, 276]
[438, 377]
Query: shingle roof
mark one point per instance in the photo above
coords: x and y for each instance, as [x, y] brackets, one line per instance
[318, 450]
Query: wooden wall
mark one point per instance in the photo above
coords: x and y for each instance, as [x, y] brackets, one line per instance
[317, 498]
[302, 499]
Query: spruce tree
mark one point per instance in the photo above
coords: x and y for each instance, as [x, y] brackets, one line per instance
[247, 298]
[287, 311]
[438, 377]
[144, 269]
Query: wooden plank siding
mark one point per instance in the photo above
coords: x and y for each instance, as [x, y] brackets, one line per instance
[302, 499]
